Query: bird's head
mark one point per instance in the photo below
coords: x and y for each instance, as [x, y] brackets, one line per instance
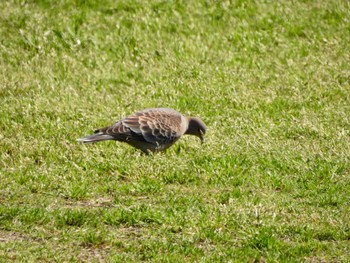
[196, 127]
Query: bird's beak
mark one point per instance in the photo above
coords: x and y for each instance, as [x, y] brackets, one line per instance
[201, 137]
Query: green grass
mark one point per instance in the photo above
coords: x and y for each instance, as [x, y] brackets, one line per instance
[270, 78]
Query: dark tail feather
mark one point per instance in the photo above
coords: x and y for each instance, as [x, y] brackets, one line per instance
[96, 138]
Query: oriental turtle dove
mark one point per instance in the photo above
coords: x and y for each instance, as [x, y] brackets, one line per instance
[150, 130]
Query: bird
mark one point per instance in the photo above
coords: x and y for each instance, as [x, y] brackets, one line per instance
[150, 130]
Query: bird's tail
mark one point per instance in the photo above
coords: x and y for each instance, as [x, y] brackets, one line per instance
[97, 137]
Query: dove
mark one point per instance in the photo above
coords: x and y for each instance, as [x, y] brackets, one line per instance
[150, 130]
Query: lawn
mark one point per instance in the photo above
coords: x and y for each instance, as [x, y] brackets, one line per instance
[271, 79]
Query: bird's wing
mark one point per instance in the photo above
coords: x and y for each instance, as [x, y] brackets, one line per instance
[121, 132]
[158, 126]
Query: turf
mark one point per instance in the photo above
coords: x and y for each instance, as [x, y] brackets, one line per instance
[270, 78]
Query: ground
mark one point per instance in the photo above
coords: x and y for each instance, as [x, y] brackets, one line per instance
[271, 79]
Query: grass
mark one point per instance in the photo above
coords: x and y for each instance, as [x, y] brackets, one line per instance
[270, 78]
